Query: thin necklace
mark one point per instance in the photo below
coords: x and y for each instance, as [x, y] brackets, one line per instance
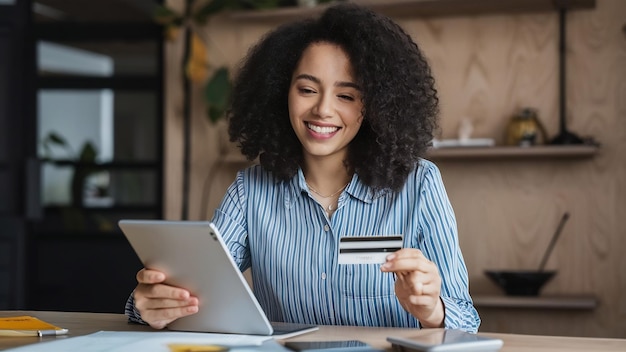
[323, 196]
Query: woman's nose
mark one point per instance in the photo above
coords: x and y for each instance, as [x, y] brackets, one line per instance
[323, 108]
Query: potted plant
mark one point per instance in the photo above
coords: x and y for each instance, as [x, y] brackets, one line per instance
[84, 167]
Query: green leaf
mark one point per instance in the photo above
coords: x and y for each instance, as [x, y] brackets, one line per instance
[209, 9]
[53, 138]
[57, 139]
[217, 92]
[215, 113]
[88, 153]
[166, 16]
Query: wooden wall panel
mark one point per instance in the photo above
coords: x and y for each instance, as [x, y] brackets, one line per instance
[486, 68]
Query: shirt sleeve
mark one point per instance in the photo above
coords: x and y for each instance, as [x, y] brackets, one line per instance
[440, 244]
[131, 311]
[230, 218]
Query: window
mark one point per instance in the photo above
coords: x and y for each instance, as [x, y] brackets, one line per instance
[99, 147]
[98, 113]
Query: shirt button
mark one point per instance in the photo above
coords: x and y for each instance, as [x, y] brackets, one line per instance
[326, 228]
[323, 276]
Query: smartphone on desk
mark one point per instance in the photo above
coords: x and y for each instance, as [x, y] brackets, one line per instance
[329, 346]
[444, 340]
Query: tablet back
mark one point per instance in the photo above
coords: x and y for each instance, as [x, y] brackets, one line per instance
[193, 256]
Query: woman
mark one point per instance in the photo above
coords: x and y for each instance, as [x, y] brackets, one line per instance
[340, 111]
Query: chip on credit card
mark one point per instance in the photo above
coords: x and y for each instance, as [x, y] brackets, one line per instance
[367, 249]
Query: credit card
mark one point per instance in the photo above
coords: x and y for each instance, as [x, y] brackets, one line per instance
[368, 249]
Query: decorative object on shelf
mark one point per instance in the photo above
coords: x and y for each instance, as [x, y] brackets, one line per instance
[520, 282]
[527, 282]
[555, 237]
[525, 129]
[564, 136]
[466, 127]
[470, 142]
[465, 137]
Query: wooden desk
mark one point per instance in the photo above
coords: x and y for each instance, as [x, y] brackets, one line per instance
[87, 323]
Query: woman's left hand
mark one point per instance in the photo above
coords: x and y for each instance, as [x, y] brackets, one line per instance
[418, 285]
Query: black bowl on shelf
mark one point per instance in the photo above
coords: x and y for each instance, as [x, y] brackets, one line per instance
[520, 282]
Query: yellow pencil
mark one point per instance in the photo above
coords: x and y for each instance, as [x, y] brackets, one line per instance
[196, 348]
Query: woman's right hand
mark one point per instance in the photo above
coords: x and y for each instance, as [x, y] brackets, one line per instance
[160, 304]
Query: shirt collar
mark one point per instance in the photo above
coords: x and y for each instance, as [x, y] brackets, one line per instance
[356, 188]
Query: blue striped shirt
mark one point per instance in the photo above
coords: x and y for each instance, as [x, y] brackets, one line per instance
[277, 229]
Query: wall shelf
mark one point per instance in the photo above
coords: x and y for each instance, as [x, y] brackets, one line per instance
[548, 152]
[113, 165]
[514, 153]
[423, 8]
[538, 302]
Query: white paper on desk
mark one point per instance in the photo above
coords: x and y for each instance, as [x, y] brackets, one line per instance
[127, 341]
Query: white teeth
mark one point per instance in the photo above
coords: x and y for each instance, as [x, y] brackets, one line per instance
[320, 129]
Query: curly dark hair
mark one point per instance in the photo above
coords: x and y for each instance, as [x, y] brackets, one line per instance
[400, 104]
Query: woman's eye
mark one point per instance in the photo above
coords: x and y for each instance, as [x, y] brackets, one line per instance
[306, 91]
[346, 97]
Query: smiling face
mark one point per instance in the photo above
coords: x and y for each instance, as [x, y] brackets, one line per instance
[325, 106]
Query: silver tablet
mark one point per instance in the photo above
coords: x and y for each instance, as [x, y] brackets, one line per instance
[193, 256]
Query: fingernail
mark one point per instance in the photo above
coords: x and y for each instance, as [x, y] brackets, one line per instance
[391, 257]
[385, 266]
